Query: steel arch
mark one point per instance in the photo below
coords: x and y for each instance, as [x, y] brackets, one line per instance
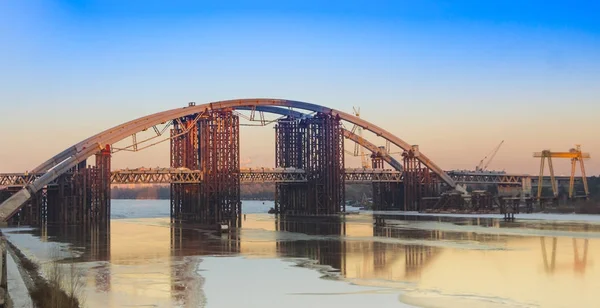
[347, 134]
[70, 157]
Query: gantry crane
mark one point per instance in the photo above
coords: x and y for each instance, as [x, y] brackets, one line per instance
[493, 153]
[576, 156]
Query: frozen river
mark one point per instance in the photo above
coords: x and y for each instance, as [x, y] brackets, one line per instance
[412, 261]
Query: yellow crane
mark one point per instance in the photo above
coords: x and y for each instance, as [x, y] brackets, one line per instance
[576, 156]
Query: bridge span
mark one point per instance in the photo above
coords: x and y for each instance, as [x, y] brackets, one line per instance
[206, 137]
[187, 176]
[291, 175]
[205, 173]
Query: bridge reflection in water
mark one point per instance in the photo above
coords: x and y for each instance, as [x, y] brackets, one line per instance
[149, 261]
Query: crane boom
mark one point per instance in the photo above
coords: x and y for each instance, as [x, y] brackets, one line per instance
[481, 166]
[363, 158]
[493, 155]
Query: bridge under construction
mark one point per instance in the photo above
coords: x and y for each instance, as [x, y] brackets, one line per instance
[205, 174]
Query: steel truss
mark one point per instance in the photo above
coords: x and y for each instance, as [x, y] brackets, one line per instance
[486, 177]
[178, 175]
[273, 175]
[360, 175]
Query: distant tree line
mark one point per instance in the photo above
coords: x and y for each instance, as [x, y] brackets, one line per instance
[141, 192]
[248, 191]
[266, 191]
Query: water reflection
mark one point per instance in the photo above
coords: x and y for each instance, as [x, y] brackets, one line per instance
[416, 257]
[187, 240]
[579, 261]
[151, 262]
[356, 250]
[326, 249]
[86, 244]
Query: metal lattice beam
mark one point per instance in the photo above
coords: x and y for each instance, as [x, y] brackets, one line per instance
[257, 175]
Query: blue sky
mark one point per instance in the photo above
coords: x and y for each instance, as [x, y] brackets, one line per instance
[455, 77]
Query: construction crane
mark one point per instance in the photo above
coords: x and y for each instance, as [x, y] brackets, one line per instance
[576, 156]
[358, 150]
[493, 153]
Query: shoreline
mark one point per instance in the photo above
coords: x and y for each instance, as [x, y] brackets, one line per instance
[42, 293]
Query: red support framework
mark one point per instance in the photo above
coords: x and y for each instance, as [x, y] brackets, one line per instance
[185, 200]
[376, 161]
[325, 165]
[386, 195]
[210, 143]
[290, 141]
[99, 212]
[219, 158]
[79, 197]
[315, 145]
[419, 181]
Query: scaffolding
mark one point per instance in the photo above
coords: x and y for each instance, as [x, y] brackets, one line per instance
[219, 158]
[185, 201]
[419, 181]
[78, 197]
[290, 152]
[316, 145]
[99, 211]
[210, 143]
[386, 195]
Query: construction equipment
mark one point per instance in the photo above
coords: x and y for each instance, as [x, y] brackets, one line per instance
[358, 150]
[576, 156]
[481, 167]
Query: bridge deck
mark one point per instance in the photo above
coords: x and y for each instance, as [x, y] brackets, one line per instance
[289, 175]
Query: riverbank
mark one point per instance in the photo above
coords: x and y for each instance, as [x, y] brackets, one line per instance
[44, 293]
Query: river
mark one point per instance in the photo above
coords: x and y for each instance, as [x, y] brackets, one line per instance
[412, 261]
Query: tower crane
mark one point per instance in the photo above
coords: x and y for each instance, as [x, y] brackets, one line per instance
[358, 150]
[481, 166]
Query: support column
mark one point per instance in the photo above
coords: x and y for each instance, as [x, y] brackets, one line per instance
[325, 165]
[386, 195]
[315, 145]
[219, 158]
[419, 181]
[100, 205]
[185, 200]
[290, 152]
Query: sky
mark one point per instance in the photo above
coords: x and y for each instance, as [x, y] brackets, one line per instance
[454, 77]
